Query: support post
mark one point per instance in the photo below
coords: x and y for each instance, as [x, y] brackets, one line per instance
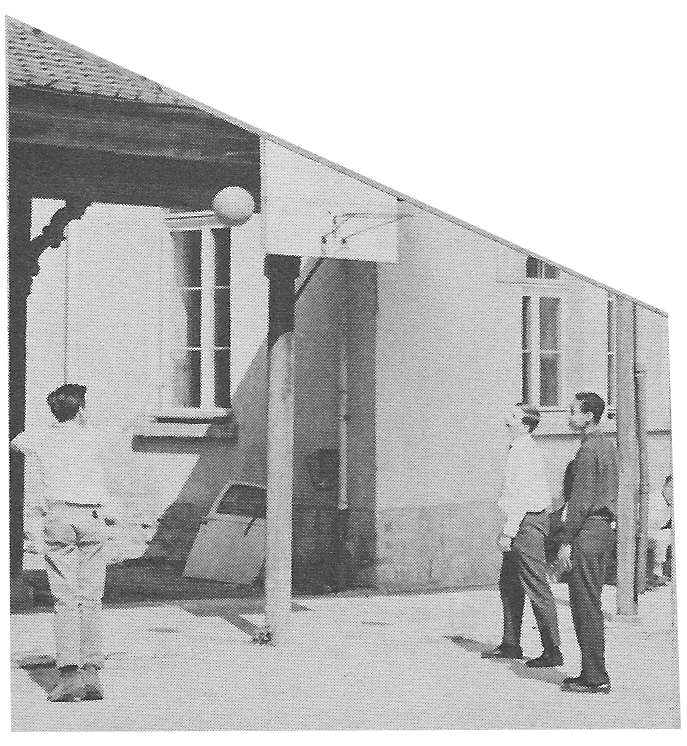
[644, 484]
[21, 595]
[281, 272]
[626, 597]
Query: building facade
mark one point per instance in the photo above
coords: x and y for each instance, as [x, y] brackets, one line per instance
[403, 372]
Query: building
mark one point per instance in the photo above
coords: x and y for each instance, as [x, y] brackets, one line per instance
[403, 371]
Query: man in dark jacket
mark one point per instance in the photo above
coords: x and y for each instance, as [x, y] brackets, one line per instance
[588, 537]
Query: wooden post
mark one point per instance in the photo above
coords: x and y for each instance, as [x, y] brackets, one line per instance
[644, 485]
[627, 449]
[20, 276]
[281, 272]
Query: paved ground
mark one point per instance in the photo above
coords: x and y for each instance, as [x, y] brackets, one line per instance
[360, 662]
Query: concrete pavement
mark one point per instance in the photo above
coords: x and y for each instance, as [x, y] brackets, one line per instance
[372, 662]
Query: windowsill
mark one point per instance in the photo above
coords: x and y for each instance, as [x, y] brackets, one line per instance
[192, 414]
[208, 424]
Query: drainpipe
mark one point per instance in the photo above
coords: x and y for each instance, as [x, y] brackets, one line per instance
[626, 596]
[644, 484]
[343, 399]
[340, 529]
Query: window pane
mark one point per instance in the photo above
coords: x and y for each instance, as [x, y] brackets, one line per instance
[191, 308]
[222, 238]
[526, 378]
[549, 379]
[533, 267]
[186, 378]
[549, 323]
[551, 272]
[222, 382]
[526, 322]
[222, 318]
[187, 258]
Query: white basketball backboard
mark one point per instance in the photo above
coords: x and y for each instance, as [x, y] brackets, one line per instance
[310, 209]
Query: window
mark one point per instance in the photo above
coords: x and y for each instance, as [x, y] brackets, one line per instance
[541, 350]
[198, 339]
[537, 269]
[611, 310]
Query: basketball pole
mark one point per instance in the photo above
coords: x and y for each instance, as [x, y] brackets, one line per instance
[281, 271]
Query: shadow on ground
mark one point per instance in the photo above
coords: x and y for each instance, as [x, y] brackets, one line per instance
[233, 611]
[42, 669]
[549, 675]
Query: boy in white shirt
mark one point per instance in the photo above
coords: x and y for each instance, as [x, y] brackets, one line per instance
[77, 512]
[526, 500]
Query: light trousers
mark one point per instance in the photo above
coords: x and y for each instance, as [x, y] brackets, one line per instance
[75, 561]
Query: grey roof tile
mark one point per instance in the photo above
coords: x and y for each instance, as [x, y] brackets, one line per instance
[38, 60]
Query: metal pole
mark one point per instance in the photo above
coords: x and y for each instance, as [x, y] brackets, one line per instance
[281, 272]
[644, 486]
[626, 598]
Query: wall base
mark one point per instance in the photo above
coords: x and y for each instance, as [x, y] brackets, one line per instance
[438, 547]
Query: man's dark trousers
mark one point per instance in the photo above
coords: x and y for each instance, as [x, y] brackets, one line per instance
[592, 551]
[523, 573]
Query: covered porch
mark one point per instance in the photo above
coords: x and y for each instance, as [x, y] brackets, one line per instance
[84, 131]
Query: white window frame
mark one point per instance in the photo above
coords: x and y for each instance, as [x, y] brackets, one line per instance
[611, 353]
[204, 222]
[535, 351]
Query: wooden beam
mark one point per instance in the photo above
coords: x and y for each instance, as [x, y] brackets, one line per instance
[64, 173]
[19, 286]
[92, 123]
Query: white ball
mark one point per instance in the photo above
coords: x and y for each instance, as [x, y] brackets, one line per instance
[233, 205]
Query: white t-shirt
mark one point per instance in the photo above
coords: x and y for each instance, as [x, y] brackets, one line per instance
[70, 459]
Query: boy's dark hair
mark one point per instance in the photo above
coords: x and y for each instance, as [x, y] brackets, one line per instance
[591, 402]
[66, 401]
[531, 416]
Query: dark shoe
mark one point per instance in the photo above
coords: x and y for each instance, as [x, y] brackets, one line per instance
[546, 660]
[579, 685]
[94, 689]
[70, 688]
[513, 652]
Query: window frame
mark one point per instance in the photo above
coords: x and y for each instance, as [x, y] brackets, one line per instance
[535, 351]
[167, 410]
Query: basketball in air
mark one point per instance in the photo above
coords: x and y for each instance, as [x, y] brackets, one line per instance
[233, 205]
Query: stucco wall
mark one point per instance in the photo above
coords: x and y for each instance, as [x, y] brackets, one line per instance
[94, 317]
[448, 366]
[441, 388]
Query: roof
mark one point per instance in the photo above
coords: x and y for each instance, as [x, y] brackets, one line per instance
[40, 61]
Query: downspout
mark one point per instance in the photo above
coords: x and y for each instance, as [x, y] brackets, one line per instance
[643, 458]
[341, 558]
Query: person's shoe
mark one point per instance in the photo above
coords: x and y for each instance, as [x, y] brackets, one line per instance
[549, 659]
[513, 652]
[70, 688]
[579, 685]
[94, 689]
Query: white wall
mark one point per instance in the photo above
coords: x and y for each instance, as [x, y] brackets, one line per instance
[105, 282]
[444, 374]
